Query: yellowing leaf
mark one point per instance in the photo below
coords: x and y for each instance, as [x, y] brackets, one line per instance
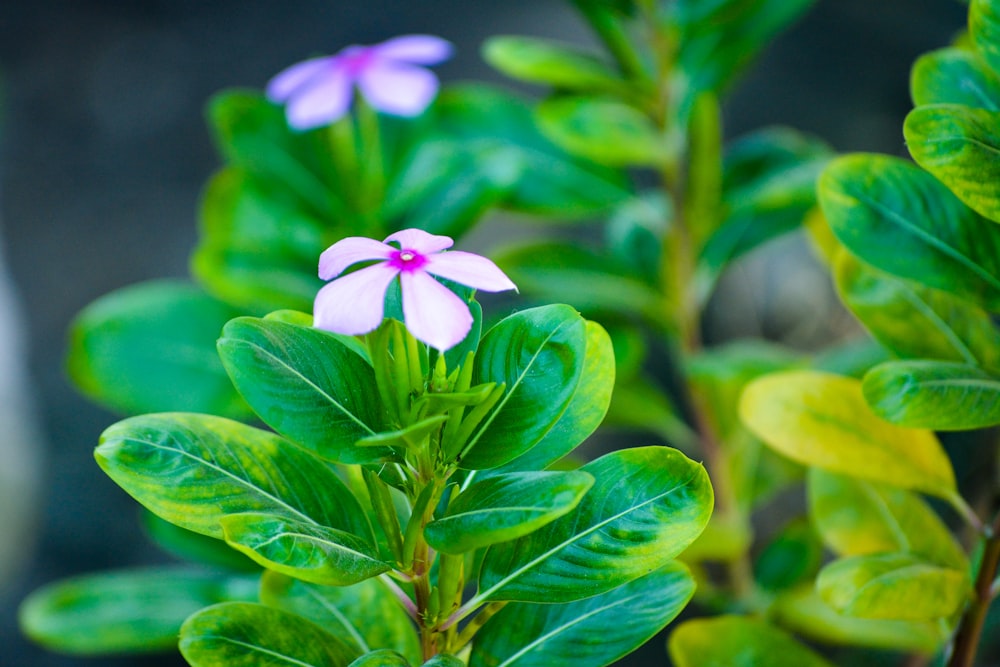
[823, 420]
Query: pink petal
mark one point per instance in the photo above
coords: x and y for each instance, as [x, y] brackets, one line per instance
[351, 250]
[415, 49]
[321, 101]
[355, 303]
[421, 241]
[433, 313]
[470, 270]
[287, 81]
[398, 89]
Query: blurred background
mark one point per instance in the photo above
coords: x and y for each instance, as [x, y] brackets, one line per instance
[104, 152]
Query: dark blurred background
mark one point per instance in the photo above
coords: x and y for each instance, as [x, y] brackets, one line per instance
[104, 152]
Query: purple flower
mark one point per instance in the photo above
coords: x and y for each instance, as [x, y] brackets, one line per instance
[318, 91]
[354, 304]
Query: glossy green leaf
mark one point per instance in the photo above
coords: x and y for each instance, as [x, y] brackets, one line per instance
[802, 611]
[129, 611]
[444, 660]
[539, 354]
[737, 641]
[934, 394]
[954, 76]
[586, 409]
[303, 549]
[961, 147]
[586, 632]
[984, 29]
[238, 634]
[543, 61]
[646, 506]
[822, 420]
[900, 219]
[913, 321]
[582, 277]
[366, 616]
[892, 586]
[150, 347]
[382, 657]
[194, 469]
[499, 129]
[856, 517]
[258, 248]
[195, 547]
[504, 508]
[604, 130]
[305, 384]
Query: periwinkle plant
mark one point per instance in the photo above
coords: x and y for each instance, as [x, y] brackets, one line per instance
[443, 482]
[414, 498]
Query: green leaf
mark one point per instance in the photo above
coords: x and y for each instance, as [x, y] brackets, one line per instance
[194, 547]
[253, 133]
[822, 420]
[550, 63]
[913, 321]
[584, 278]
[366, 616]
[128, 611]
[961, 147]
[442, 660]
[802, 611]
[586, 632]
[721, 39]
[737, 641]
[307, 385]
[258, 248]
[984, 29]
[900, 219]
[646, 506]
[303, 549]
[855, 517]
[769, 185]
[793, 556]
[604, 130]
[954, 76]
[383, 657]
[934, 394]
[585, 411]
[499, 130]
[539, 354]
[893, 586]
[504, 508]
[238, 634]
[150, 347]
[634, 232]
[194, 469]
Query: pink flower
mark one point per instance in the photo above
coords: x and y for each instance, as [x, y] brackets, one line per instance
[318, 91]
[354, 304]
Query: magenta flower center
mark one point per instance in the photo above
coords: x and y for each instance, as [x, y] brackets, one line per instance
[355, 59]
[407, 260]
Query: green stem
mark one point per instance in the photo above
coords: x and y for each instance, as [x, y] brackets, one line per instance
[610, 30]
[470, 630]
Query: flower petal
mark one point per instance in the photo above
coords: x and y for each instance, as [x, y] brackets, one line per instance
[421, 241]
[469, 269]
[415, 49]
[396, 88]
[321, 101]
[433, 313]
[351, 250]
[355, 303]
[287, 81]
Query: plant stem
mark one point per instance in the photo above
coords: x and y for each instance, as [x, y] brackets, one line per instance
[971, 627]
[470, 630]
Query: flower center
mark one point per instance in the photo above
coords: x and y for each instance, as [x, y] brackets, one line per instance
[407, 260]
[355, 59]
